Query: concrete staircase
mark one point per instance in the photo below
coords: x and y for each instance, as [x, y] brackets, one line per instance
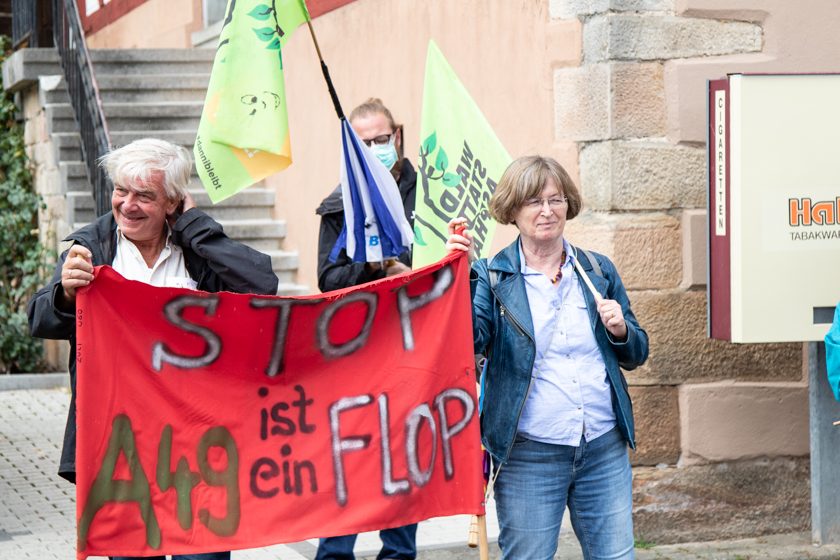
[157, 93]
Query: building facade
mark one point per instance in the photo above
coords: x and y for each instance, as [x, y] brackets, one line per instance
[614, 90]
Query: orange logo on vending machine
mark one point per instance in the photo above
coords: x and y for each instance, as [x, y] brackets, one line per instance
[806, 212]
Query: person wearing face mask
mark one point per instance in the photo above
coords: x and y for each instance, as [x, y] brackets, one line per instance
[375, 126]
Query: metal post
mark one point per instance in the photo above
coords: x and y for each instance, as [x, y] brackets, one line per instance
[825, 450]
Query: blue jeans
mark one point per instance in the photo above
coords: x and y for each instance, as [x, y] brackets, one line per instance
[540, 479]
[398, 542]
[204, 556]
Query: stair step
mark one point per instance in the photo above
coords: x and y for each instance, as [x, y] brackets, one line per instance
[283, 260]
[261, 234]
[76, 179]
[112, 56]
[28, 64]
[289, 289]
[83, 205]
[78, 182]
[74, 176]
[142, 89]
[244, 206]
[25, 66]
[247, 198]
[128, 62]
[255, 230]
[177, 115]
[69, 150]
[252, 196]
[284, 264]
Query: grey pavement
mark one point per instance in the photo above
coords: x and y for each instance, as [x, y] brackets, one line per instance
[37, 509]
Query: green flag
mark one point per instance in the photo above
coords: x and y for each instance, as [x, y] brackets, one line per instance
[244, 132]
[460, 162]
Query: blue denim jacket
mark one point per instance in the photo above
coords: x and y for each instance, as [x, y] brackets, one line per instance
[504, 332]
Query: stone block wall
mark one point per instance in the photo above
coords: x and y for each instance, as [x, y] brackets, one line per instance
[43, 155]
[722, 429]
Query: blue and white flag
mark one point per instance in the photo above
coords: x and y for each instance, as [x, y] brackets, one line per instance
[375, 226]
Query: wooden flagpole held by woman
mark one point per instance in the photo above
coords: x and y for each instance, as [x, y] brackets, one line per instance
[478, 536]
[588, 282]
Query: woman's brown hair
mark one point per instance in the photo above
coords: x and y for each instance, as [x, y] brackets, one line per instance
[524, 179]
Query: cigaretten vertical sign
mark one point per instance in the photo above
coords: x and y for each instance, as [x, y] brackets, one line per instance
[720, 162]
[225, 421]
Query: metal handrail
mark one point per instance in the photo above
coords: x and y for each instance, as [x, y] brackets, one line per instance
[84, 97]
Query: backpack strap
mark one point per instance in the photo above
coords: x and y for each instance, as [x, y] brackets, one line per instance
[596, 268]
[593, 262]
[494, 279]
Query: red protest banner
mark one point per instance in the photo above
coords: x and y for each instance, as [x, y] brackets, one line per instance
[214, 422]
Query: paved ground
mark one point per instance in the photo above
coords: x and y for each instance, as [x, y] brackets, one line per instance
[37, 509]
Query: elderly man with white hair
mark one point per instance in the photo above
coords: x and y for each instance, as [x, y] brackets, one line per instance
[154, 234]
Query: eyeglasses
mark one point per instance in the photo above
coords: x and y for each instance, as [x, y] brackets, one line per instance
[553, 202]
[380, 140]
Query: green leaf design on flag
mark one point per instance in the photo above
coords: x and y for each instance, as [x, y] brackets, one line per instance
[454, 129]
[418, 236]
[245, 137]
[451, 179]
[430, 143]
[442, 161]
[265, 33]
[261, 12]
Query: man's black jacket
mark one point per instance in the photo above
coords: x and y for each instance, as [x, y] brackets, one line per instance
[216, 263]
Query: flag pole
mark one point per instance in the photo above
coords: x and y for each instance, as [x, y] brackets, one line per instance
[478, 536]
[326, 72]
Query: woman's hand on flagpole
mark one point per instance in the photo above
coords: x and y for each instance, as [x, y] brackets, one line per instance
[613, 318]
[459, 238]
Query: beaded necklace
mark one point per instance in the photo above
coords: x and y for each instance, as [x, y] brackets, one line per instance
[559, 274]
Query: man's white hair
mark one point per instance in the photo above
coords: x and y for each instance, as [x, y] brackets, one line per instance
[147, 159]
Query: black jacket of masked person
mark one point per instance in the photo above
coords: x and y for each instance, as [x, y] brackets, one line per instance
[216, 263]
[344, 273]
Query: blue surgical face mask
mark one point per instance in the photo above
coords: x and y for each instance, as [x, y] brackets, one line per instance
[386, 153]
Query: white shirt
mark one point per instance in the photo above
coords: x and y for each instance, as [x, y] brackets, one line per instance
[570, 395]
[169, 270]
